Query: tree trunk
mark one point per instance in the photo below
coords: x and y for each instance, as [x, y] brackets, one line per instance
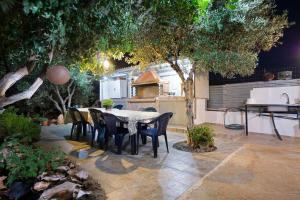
[189, 102]
[188, 89]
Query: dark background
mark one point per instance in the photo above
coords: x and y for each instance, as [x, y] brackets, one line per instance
[284, 57]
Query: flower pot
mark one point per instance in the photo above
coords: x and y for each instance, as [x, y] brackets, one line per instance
[45, 123]
[107, 107]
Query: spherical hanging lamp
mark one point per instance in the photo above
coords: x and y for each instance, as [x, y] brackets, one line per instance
[58, 75]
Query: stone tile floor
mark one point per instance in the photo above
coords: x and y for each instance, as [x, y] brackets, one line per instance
[254, 167]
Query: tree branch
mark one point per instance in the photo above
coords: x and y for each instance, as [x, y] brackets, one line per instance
[71, 96]
[11, 78]
[4, 101]
[56, 104]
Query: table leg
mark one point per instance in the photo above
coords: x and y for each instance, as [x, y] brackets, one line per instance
[246, 119]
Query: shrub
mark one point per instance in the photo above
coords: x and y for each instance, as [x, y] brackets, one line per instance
[25, 163]
[201, 135]
[107, 103]
[12, 124]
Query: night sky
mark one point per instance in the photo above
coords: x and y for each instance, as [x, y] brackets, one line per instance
[283, 57]
[288, 53]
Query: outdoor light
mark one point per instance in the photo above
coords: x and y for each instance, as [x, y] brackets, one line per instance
[58, 75]
[106, 64]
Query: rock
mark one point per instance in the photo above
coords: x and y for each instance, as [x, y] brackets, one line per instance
[71, 165]
[74, 180]
[60, 119]
[72, 172]
[5, 152]
[2, 185]
[63, 192]
[53, 121]
[19, 190]
[82, 193]
[82, 175]
[40, 186]
[41, 176]
[64, 169]
[53, 178]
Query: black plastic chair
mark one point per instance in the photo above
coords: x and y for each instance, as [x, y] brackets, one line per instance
[149, 109]
[144, 126]
[160, 128]
[99, 125]
[111, 128]
[79, 123]
[119, 106]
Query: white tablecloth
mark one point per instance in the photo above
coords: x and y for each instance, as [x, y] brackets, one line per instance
[131, 116]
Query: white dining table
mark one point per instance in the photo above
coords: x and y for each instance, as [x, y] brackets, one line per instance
[131, 116]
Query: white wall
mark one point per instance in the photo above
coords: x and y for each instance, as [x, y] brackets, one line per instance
[257, 124]
[273, 95]
[174, 81]
[111, 88]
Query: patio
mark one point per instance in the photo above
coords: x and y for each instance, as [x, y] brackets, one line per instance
[254, 167]
[149, 100]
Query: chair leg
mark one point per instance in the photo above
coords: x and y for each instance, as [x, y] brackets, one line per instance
[101, 138]
[144, 139]
[133, 143]
[119, 142]
[84, 127]
[72, 129]
[78, 131]
[137, 143]
[93, 137]
[154, 144]
[106, 139]
[157, 142]
[166, 140]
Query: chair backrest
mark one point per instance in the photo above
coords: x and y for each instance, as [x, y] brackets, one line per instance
[150, 109]
[119, 106]
[97, 117]
[111, 123]
[162, 123]
[76, 116]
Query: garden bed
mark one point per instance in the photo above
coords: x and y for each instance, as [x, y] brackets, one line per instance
[67, 182]
[183, 146]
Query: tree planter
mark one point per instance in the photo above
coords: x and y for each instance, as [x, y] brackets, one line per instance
[184, 146]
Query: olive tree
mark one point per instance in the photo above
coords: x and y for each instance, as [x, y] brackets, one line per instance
[35, 34]
[215, 35]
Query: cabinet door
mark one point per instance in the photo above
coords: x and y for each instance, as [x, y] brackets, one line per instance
[115, 89]
[104, 90]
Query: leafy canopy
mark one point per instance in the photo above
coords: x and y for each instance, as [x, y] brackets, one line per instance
[75, 29]
[220, 36]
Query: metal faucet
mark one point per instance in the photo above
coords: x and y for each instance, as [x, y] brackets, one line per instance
[287, 97]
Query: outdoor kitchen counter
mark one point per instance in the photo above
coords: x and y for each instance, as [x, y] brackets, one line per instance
[273, 109]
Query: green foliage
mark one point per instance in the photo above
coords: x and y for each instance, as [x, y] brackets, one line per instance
[202, 135]
[76, 30]
[12, 124]
[222, 36]
[26, 162]
[107, 103]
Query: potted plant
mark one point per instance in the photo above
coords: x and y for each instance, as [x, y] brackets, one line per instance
[107, 103]
[44, 121]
